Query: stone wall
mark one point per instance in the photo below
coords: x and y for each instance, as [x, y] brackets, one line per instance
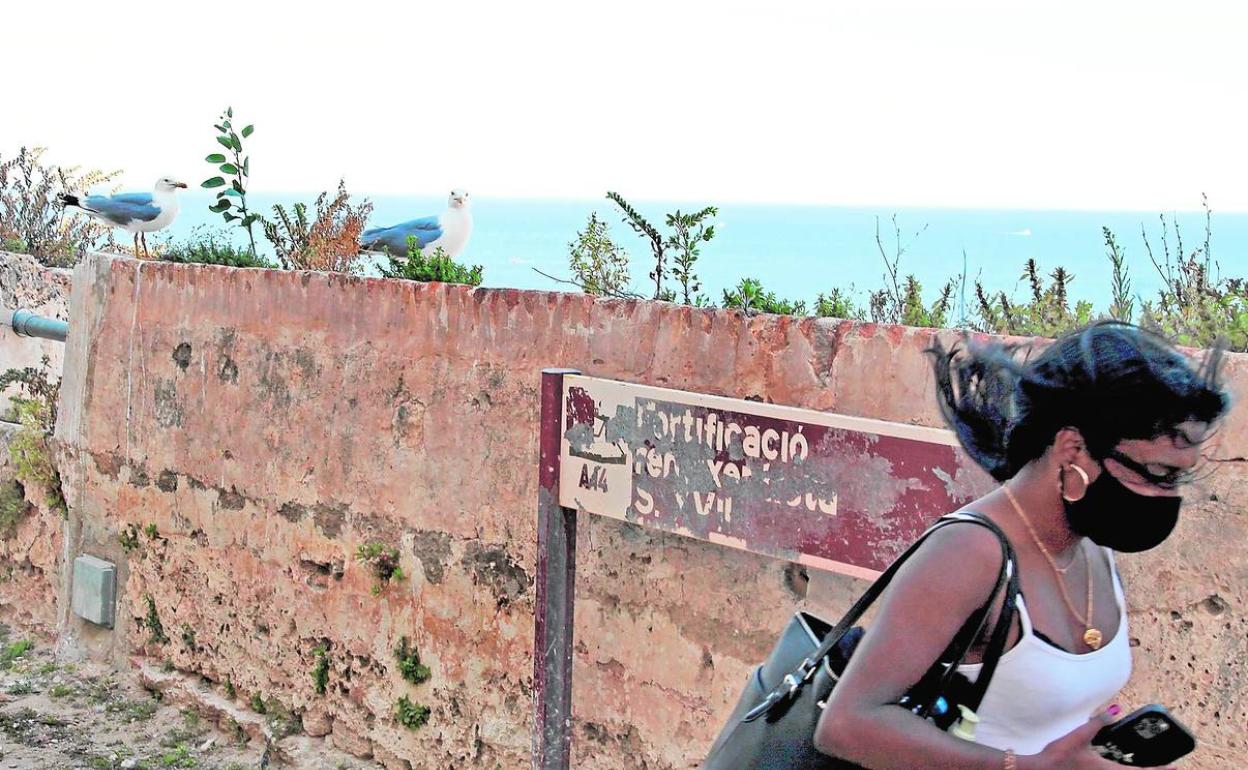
[247, 431]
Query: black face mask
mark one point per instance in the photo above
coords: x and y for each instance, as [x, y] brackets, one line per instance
[1111, 515]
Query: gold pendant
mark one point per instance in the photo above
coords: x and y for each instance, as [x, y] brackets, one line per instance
[1092, 637]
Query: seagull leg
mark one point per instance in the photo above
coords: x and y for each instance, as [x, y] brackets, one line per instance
[136, 245]
[143, 236]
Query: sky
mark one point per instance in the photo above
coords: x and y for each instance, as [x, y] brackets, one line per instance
[1057, 105]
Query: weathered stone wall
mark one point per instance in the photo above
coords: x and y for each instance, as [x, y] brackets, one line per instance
[264, 425]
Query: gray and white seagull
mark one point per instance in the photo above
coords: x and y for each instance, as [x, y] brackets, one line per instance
[136, 213]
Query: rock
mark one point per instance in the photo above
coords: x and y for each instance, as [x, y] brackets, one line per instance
[207, 744]
[130, 764]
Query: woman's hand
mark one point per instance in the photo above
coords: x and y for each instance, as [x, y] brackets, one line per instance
[1073, 751]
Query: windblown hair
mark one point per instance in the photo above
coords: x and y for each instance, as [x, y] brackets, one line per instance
[1111, 381]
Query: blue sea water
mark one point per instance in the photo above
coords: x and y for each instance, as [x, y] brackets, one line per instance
[800, 251]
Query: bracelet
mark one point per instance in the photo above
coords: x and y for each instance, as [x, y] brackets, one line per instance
[1011, 760]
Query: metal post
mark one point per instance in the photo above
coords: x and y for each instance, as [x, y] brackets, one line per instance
[556, 590]
[27, 324]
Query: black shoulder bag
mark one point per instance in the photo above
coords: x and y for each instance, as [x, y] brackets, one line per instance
[773, 725]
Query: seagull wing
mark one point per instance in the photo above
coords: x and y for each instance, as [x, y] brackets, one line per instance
[122, 209]
[426, 230]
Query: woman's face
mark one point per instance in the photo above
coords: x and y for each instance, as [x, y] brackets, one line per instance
[1158, 467]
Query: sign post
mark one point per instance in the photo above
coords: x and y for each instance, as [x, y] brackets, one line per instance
[828, 491]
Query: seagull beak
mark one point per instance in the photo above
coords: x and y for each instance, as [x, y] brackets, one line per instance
[180, 184]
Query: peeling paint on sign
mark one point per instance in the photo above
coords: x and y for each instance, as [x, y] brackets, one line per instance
[826, 490]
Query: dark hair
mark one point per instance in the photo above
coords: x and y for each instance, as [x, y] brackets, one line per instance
[1111, 380]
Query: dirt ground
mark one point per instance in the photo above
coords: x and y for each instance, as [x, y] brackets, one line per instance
[66, 717]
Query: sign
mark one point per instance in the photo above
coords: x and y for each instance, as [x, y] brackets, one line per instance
[829, 491]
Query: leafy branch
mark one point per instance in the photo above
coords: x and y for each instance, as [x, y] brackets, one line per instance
[234, 173]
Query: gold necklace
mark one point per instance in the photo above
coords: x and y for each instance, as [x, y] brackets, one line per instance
[1091, 636]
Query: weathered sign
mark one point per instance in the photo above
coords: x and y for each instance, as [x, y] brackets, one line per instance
[830, 491]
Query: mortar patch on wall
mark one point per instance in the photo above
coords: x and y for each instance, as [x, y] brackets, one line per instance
[494, 567]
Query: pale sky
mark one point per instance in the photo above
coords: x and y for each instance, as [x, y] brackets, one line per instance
[1104, 105]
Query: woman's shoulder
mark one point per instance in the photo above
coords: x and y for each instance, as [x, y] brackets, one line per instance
[964, 558]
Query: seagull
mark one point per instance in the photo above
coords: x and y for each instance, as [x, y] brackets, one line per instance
[137, 213]
[448, 231]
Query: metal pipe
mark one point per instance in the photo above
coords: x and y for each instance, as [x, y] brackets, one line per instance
[27, 324]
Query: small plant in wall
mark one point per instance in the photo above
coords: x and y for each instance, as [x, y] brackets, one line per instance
[129, 537]
[384, 560]
[320, 670]
[410, 667]
[153, 623]
[410, 715]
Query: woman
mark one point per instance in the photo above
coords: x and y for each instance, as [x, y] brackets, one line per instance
[1092, 440]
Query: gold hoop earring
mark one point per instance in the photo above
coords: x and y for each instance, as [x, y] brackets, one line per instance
[1061, 482]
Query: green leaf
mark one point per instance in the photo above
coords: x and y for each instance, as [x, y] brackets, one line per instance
[249, 219]
[247, 131]
[233, 193]
[216, 181]
[216, 157]
[238, 188]
[230, 217]
[220, 206]
[229, 112]
[225, 142]
[229, 168]
[235, 143]
[219, 128]
[247, 166]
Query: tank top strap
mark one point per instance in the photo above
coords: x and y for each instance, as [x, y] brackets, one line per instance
[1024, 619]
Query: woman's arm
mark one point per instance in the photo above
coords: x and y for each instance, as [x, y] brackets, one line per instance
[930, 599]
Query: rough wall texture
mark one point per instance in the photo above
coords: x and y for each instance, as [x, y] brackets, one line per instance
[27, 285]
[30, 550]
[267, 424]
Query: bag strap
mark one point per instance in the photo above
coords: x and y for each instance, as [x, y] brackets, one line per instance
[1007, 579]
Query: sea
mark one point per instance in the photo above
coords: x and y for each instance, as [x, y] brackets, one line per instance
[801, 251]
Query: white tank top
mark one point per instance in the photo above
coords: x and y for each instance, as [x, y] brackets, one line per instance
[1040, 692]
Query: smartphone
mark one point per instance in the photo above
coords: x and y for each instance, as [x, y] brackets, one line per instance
[1147, 737]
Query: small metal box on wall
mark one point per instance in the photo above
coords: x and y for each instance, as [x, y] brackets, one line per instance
[95, 590]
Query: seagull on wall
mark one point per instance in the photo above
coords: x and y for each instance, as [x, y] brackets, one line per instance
[136, 213]
[448, 231]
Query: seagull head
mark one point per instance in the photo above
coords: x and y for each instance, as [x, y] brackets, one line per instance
[458, 200]
[169, 184]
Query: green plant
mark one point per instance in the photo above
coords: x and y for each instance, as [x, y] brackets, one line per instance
[188, 637]
[152, 621]
[151, 531]
[749, 295]
[129, 537]
[410, 715]
[1122, 306]
[35, 413]
[385, 563]
[31, 218]
[689, 231]
[22, 687]
[233, 177]
[13, 506]
[320, 669]
[838, 304]
[230, 691]
[329, 242]
[13, 651]
[1046, 314]
[257, 703]
[206, 246]
[599, 265]
[179, 756]
[410, 667]
[439, 267]
[60, 691]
